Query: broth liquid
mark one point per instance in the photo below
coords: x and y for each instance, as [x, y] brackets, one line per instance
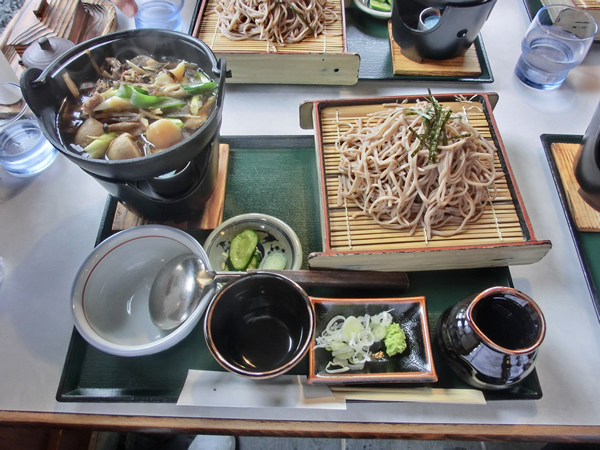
[264, 342]
[505, 322]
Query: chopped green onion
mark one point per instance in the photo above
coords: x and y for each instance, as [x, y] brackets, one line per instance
[98, 146]
[170, 102]
[199, 88]
[125, 91]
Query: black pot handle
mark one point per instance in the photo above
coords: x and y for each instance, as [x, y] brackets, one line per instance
[29, 82]
[221, 71]
[41, 94]
[39, 91]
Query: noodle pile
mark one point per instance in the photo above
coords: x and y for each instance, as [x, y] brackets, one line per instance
[388, 168]
[276, 21]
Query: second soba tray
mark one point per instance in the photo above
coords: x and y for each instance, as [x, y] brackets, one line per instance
[503, 235]
[321, 60]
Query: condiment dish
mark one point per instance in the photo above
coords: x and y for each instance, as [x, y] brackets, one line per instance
[273, 235]
[363, 5]
[413, 365]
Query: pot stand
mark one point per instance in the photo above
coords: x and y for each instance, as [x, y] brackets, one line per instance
[174, 197]
[451, 36]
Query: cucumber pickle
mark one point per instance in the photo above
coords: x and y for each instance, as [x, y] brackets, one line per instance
[242, 249]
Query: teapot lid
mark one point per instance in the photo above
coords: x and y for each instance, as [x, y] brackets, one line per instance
[44, 51]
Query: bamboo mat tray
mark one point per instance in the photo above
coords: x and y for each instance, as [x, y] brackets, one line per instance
[584, 216]
[560, 152]
[77, 21]
[502, 236]
[211, 217]
[461, 66]
[320, 60]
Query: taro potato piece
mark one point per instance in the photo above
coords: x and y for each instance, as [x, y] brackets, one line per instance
[163, 134]
[123, 147]
[87, 131]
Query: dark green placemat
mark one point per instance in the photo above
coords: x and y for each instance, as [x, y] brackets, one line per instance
[273, 175]
[587, 244]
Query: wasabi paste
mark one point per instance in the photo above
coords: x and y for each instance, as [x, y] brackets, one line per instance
[395, 340]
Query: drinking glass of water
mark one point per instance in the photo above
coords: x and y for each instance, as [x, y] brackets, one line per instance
[165, 14]
[24, 151]
[557, 40]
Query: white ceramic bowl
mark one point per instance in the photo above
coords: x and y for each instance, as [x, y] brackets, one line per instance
[363, 5]
[110, 292]
[273, 234]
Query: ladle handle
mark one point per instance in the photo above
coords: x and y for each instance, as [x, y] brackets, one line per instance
[349, 279]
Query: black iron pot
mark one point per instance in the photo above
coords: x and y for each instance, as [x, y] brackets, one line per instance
[45, 92]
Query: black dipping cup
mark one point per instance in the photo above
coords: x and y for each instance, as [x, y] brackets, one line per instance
[259, 326]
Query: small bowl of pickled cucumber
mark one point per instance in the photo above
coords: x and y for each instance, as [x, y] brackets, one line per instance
[253, 241]
[382, 9]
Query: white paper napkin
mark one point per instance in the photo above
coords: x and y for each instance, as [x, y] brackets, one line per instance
[205, 388]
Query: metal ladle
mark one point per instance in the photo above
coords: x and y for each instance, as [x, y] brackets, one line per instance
[179, 287]
[183, 282]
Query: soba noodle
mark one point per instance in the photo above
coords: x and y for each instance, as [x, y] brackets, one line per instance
[388, 169]
[276, 21]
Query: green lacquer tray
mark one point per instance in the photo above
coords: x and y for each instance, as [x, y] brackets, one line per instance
[587, 243]
[369, 37]
[273, 175]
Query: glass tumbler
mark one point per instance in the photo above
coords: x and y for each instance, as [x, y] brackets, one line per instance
[165, 14]
[557, 40]
[24, 151]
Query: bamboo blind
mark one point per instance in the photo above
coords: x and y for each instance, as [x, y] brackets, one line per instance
[593, 5]
[465, 65]
[329, 42]
[587, 4]
[499, 223]
[585, 217]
